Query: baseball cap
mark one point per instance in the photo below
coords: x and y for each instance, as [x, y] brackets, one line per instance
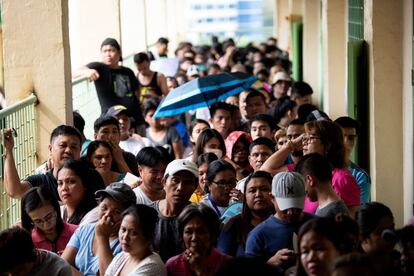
[116, 110]
[280, 76]
[181, 165]
[119, 192]
[289, 190]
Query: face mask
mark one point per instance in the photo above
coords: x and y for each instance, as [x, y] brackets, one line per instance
[217, 152]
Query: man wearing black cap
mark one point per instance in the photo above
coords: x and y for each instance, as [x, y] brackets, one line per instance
[115, 84]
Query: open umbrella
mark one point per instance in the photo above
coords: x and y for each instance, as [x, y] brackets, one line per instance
[203, 92]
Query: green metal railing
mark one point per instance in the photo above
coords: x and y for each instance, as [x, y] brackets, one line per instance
[85, 101]
[22, 117]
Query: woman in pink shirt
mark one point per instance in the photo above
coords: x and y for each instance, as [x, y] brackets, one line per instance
[41, 216]
[325, 138]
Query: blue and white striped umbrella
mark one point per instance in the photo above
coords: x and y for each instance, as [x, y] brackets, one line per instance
[203, 92]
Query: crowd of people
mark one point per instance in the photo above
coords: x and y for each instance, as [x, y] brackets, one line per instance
[262, 182]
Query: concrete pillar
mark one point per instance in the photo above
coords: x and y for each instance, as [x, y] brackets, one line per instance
[334, 52]
[408, 151]
[282, 24]
[382, 31]
[296, 7]
[133, 27]
[311, 47]
[90, 23]
[36, 56]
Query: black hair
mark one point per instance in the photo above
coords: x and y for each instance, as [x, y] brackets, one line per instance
[369, 216]
[151, 156]
[355, 263]
[219, 105]
[296, 122]
[35, 198]
[163, 40]
[264, 118]
[105, 120]
[331, 138]
[149, 105]
[283, 105]
[300, 89]
[66, 131]
[141, 57]
[213, 66]
[206, 214]
[88, 201]
[196, 122]
[304, 110]
[147, 219]
[218, 166]
[262, 141]
[78, 121]
[205, 136]
[207, 157]
[246, 214]
[93, 146]
[339, 231]
[254, 93]
[315, 165]
[347, 122]
[16, 248]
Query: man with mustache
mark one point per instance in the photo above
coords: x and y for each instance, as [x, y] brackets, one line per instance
[65, 143]
[180, 181]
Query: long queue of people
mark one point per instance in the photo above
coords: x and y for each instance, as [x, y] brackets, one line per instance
[262, 182]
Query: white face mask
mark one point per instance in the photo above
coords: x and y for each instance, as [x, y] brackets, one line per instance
[217, 152]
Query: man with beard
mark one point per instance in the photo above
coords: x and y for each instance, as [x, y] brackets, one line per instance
[273, 239]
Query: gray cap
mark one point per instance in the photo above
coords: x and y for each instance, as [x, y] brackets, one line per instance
[289, 190]
[119, 192]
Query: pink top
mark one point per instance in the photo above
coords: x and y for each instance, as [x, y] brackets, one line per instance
[41, 242]
[178, 266]
[346, 187]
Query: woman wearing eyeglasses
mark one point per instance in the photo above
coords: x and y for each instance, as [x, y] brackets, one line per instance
[324, 137]
[41, 216]
[221, 181]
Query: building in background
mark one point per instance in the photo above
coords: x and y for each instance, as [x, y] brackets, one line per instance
[243, 20]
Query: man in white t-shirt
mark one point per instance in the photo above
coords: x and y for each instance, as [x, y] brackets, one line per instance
[152, 162]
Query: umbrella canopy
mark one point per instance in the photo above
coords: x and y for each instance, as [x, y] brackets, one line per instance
[203, 92]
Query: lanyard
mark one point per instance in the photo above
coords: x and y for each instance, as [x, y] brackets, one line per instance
[214, 205]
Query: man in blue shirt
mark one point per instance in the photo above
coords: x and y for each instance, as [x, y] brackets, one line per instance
[274, 239]
[349, 128]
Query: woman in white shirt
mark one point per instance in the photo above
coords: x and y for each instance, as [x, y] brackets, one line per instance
[136, 235]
